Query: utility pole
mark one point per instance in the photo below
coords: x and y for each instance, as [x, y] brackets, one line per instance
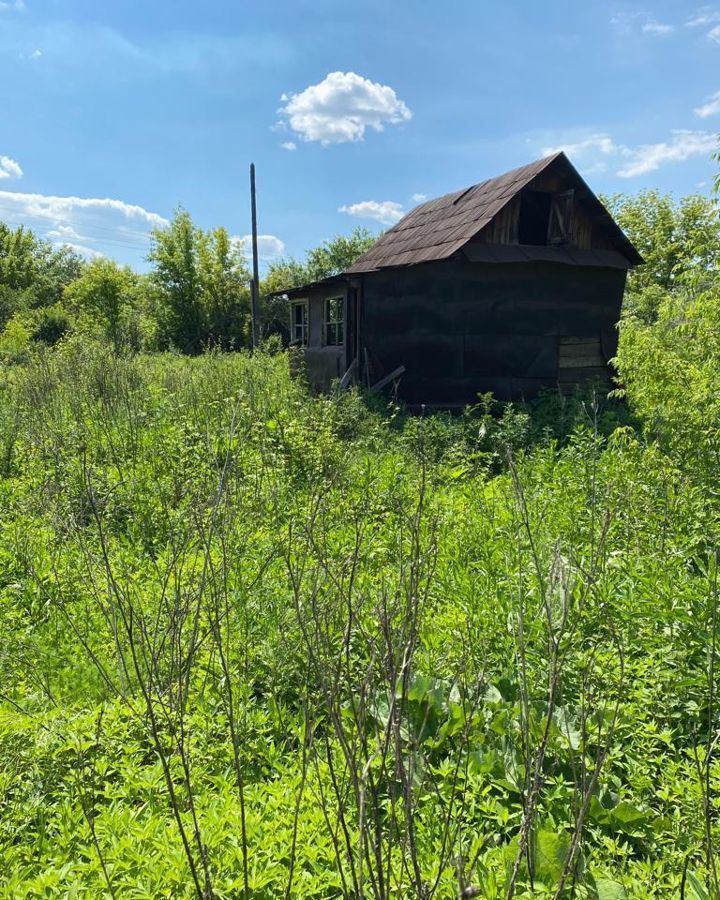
[255, 286]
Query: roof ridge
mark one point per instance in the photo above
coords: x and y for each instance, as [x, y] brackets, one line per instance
[545, 160]
[437, 228]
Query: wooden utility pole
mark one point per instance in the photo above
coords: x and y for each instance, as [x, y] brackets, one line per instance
[255, 286]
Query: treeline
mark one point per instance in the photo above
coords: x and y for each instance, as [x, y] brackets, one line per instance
[196, 293]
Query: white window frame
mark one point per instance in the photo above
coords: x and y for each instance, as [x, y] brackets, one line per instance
[301, 338]
[336, 326]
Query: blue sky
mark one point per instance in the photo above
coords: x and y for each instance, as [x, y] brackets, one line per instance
[115, 113]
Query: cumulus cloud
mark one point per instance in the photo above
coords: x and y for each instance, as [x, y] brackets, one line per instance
[709, 108]
[9, 168]
[387, 212]
[598, 152]
[341, 108]
[64, 209]
[269, 246]
[419, 198]
[289, 145]
[714, 34]
[682, 145]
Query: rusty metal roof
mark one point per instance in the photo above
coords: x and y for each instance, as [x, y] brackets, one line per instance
[439, 228]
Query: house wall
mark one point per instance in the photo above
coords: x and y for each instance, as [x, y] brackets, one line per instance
[463, 328]
[324, 364]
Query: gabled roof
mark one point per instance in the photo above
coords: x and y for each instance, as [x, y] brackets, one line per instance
[437, 229]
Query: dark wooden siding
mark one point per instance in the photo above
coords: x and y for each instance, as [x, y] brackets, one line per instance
[584, 232]
[463, 328]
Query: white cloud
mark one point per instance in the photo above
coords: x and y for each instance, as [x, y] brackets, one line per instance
[710, 108]
[598, 152]
[341, 107]
[289, 145]
[9, 168]
[630, 23]
[82, 249]
[12, 6]
[419, 198]
[36, 54]
[658, 28]
[387, 212]
[703, 17]
[601, 143]
[269, 246]
[66, 232]
[64, 209]
[682, 145]
[591, 154]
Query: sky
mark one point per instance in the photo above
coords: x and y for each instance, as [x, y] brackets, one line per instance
[114, 114]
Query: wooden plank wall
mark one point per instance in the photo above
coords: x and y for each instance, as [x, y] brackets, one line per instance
[585, 234]
[581, 359]
[463, 328]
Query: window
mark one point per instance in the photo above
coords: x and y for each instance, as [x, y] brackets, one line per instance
[334, 330]
[534, 217]
[560, 227]
[545, 218]
[299, 323]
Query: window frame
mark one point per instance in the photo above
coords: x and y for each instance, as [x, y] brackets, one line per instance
[304, 325]
[335, 326]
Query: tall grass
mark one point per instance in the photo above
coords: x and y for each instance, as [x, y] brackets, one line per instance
[259, 644]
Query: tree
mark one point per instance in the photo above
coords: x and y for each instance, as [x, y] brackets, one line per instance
[174, 252]
[33, 273]
[679, 241]
[333, 257]
[105, 293]
[280, 276]
[200, 285]
[226, 296]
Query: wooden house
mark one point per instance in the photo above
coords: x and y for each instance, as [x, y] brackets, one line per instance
[510, 286]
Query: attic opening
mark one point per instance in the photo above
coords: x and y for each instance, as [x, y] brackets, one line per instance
[534, 217]
[545, 218]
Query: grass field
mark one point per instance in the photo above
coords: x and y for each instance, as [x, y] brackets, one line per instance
[260, 644]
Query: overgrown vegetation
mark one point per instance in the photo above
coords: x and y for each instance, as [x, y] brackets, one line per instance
[262, 644]
[195, 297]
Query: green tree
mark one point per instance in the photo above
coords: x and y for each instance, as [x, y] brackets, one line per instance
[225, 284]
[333, 257]
[33, 273]
[200, 287]
[177, 281]
[280, 276]
[679, 241]
[105, 294]
[669, 368]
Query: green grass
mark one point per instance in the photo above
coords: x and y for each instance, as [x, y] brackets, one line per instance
[344, 641]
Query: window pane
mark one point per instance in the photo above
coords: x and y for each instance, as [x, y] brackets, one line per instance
[334, 321]
[299, 323]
